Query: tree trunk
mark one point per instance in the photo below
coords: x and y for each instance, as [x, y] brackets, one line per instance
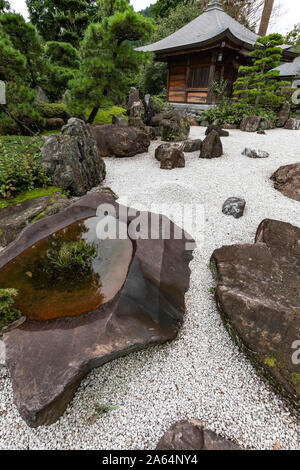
[93, 115]
[265, 19]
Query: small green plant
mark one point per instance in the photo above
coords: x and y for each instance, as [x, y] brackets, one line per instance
[103, 409]
[8, 314]
[76, 255]
[212, 290]
[21, 165]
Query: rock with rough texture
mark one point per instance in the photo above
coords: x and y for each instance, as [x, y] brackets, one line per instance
[48, 360]
[234, 206]
[261, 132]
[175, 129]
[258, 297]
[162, 148]
[2, 353]
[211, 146]
[171, 157]
[149, 109]
[14, 218]
[229, 126]
[193, 121]
[191, 435]
[191, 145]
[137, 122]
[41, 95]
[284, 114]
[250, 123]
[255, 153]
[133, 96]
[292, 124]
[266, 125]
[53, 124]
[221, 132]
[119, 141]
[72, 159]
[119, 120]
[287, 180]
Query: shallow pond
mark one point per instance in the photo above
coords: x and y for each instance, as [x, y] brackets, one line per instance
[47, 293]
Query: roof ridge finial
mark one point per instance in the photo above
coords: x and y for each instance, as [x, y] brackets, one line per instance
[214, 5]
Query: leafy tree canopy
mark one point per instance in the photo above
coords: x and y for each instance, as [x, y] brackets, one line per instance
[293, 37]
[4, 6]
[107, 57]
[62, 20]
[24, 39]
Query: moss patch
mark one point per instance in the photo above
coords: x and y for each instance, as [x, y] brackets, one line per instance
[24, 196]
[270, 361]
[295, 379]
[104, 115]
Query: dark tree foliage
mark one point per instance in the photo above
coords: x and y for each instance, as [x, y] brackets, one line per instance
[12, 63]
[4, 6]
[148, 11]
[62, 20]
[107, 57]
[163, 7]
[63, 63]
[24, 39]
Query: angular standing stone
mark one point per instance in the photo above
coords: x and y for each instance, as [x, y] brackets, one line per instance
[211, 146]
[250, 123]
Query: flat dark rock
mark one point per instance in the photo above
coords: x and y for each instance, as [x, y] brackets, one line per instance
[191, 435]
[120, 141]
[14, 218]
[258, 296]
[287, 180]
[47, 360]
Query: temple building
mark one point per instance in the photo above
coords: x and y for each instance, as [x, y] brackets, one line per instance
[209, 48]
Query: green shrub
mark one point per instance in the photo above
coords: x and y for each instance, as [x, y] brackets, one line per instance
[104, 115]
[160, 103]
[8, 314]
[21, 165]
[233, 113]
[51, 110]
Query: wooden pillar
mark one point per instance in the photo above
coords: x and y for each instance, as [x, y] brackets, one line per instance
[212, 72]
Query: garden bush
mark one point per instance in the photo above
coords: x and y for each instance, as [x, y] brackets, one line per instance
[104, 115]
[51, 110]
[233, 113]
[21, 165]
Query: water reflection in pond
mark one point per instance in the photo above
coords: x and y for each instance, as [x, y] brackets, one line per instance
[47, 292]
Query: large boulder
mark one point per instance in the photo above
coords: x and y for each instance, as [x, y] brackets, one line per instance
[119, 120]
[250, 123]
[283, 114]
[292, 124]
[54, 124]
[191, 435]
[258, 297]
[174, 129]
[14, 218]
[218, 129]
[172, 157]
[191, 145]
[120, 141]
[72, 159]
[287, 180]
[143, 284]
[211, 146]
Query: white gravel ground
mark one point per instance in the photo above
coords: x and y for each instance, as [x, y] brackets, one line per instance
[201, 374]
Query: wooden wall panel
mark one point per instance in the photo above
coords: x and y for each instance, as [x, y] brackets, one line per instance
[197, 97]
[177, 84]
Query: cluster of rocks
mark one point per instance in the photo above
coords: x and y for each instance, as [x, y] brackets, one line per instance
[257, 124]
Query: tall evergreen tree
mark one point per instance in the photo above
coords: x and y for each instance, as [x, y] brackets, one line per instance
[24, 39]
[258, 84]
[107, 57]
[62, 20]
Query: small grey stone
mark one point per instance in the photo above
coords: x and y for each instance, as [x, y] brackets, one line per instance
[255, 153]
[234, 206]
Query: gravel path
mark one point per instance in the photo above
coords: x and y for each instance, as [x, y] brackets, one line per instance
[201, 374]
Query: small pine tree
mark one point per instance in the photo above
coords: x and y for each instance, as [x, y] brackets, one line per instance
[108, 58]
[258, 84]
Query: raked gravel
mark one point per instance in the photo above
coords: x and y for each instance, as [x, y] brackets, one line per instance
[201, 374]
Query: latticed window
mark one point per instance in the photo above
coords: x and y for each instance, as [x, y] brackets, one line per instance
[198, 77]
